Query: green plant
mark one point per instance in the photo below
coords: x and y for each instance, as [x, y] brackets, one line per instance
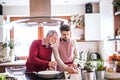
[100, 65]
[88, 66]
[2, 76]
[11, 44]
[117, 4]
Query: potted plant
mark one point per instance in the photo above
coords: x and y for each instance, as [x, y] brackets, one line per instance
[89, 71]
[11, 44]
[117, 4]
[100, 65]
[89, 67]
[100, 70]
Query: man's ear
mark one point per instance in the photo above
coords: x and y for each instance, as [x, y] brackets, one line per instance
[48, 37]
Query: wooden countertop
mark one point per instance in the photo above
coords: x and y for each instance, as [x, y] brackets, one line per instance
[18, 63]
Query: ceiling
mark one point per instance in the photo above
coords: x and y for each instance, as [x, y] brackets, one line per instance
[53, 2]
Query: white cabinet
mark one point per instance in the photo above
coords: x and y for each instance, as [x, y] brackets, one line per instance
[106, 47]
[3, 30]
[106, 19]
[92, 26]
[2, 34]
[1, 20]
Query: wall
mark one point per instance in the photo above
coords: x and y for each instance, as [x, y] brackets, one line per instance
[55, 10]
[85, 46]
[67, 10]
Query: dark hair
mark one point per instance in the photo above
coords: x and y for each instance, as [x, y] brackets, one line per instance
[64, 28]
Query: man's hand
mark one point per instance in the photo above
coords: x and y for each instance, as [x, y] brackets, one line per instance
[74, 66]
[71, 70]
[53, 45]
[52, 65]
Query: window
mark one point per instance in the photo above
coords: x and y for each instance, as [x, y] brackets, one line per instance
[25, 36]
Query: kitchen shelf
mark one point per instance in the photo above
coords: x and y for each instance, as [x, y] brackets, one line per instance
[117, 39]
[77, 40]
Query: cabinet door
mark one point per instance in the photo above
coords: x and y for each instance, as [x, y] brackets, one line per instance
[1, 20]
[2, 30]
[3, 35]
[92, 26]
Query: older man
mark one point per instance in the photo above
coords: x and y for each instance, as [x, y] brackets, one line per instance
[40, 53]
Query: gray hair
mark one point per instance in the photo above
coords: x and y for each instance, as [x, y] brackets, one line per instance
[51, 33]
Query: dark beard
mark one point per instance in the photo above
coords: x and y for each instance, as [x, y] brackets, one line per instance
[66, 40]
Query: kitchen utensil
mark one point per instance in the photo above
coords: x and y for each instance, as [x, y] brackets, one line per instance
[94, 56]
[15, 71]
[83, 55]
[80, 54]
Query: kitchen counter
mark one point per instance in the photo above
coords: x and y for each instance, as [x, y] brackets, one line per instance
[15, 63]
[33, 76]
[18, 63]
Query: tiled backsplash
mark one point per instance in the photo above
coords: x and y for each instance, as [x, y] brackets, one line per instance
[85, 46]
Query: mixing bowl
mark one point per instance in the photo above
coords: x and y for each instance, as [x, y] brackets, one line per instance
[15, 71]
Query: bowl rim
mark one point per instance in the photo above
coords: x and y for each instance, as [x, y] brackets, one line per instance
[48, 72]
[15, 68]
[112, 75]
[12, 67]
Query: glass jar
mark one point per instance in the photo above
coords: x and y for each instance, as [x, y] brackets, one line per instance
[118, 32]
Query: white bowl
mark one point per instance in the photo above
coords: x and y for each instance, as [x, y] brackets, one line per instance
[112, 75]
[15, 71]
[48, 74]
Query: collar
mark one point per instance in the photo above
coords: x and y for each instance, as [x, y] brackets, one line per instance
[44, 43]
